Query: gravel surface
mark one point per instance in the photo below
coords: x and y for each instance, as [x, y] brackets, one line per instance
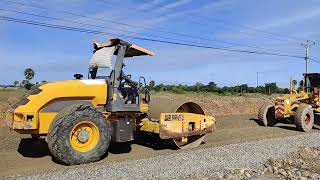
[209, 162]
[300, 165]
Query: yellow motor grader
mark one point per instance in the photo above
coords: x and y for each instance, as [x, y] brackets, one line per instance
[79, 118]
[299, 106]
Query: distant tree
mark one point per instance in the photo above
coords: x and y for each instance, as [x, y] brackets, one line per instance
[26, 84]
[301, 84]
[152, 84]
[212, 85]
[286, 91]
[15, 83]
[43, 81]
[271, 87]
[199, 86]
[294, 82]
[29, 73]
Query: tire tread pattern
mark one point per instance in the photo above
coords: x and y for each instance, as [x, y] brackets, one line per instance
[300, 118]
[60, 128]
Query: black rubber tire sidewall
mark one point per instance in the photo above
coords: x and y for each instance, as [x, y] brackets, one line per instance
[300, 118]
[264, 111]
[59, 134]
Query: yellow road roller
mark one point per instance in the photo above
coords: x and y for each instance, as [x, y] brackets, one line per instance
[79, 118]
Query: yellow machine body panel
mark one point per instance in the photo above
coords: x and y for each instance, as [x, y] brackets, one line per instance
[286, 105]
[174, 125]
[42, 105]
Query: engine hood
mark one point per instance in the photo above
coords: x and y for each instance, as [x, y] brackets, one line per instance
[40, 95]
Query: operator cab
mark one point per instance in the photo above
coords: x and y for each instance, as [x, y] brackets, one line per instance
[312, 80]
[123, 92]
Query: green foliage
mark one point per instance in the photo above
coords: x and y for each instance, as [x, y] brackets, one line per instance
[15, 83]
[214, 88]
[26, 84]
[152, 84]
[29, 73]
[301, 83]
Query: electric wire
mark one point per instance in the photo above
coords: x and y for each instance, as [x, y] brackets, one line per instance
[209, 19]
[145, 34]
[48, 25]
[136, 26]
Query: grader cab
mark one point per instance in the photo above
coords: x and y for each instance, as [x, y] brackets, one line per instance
[79, 118]
[299, 106]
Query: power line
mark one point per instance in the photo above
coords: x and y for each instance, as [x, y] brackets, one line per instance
[136, 26]
[145, 34]
[93, 25]
[23, 21]
[209, 19]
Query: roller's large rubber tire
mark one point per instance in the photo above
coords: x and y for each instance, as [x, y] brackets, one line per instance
[59, 135]
[266, 115]
[304, 118]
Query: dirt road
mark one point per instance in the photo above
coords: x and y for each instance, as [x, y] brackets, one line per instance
[19, 156]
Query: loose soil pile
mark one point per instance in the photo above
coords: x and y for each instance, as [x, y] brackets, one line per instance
[215, 105]
[7, 99]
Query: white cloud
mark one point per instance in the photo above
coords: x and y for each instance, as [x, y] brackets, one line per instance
[177, 4]
[291, 19]
[172, 6]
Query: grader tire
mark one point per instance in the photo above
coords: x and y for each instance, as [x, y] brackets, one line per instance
[304, 118]
[93, 135]
[266, 116]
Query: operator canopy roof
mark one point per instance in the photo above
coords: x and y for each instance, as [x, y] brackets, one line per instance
[102, 56]
[133, 50]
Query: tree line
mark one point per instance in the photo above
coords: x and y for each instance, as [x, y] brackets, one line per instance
[26, 83]
[267, 88]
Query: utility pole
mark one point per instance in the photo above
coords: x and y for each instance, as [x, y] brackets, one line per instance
[307, 46]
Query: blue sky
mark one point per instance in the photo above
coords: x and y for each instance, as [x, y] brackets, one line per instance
[58, 54]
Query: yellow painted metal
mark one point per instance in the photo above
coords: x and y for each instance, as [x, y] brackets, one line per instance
[293, 101]
[185, 124]
[94, 91]
[149, 126]
[296, 99]
[173, 125]
[93, 136]
[144, 107]
[45, 121]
